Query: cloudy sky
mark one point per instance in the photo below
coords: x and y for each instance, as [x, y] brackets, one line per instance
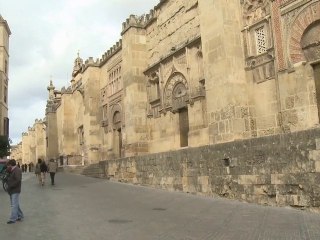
[46, 36]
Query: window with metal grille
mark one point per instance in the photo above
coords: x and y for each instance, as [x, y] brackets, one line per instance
[261, 41]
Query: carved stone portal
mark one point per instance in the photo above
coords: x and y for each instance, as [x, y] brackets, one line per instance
[176, 92]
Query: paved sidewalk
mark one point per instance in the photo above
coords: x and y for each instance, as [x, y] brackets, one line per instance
[81, 208]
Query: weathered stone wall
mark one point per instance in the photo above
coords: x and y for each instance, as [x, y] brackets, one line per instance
[192, 73]
[177, 22]
[39, 140]
[91, 123]
[16, 152]
[26, 149]
[111, 95]
[66, 121]
[33, 145]
[275, 170]
[134, 139]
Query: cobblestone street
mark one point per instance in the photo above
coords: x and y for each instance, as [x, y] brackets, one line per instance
[85, 208]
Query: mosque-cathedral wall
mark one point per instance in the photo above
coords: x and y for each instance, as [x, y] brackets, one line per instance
[111, 102]
[33, 144]
[184, 77]
[16, 152]
[191, 74]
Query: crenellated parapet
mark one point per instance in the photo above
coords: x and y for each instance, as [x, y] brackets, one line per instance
[143, 20]
[111, 52]
[38, 121]
[134, 21]
[65, 90]
[138, 21]
[90, 62]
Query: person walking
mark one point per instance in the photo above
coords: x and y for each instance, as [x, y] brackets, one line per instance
[52, 168]
[43, 170]
[14, 190]
[37, 171]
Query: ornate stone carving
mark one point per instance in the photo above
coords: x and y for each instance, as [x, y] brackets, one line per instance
[116, 116]
[153, 87]
[179, 91]
[253, 62]
[254, 10]
[154, 77]
[176, 91]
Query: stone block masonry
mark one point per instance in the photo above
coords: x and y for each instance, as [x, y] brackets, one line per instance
[281, 170]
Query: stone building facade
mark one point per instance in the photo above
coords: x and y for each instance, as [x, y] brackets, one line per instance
[4, 73]
[209, 97]
[182, 76]
[16, 152]
[33, 144]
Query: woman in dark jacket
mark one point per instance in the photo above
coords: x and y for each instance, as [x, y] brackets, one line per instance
[37, 170]
[43, 171]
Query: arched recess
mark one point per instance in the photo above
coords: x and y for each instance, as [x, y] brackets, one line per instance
[310, 43]
[117, 129]
[173, 86]
[177, 97]
[306, 18]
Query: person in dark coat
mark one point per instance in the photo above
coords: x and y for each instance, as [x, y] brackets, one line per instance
[37, 171]
[43, 170]
[14, 190]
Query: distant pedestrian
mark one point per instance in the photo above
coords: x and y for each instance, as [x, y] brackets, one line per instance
[14, 189]
[43, 170]
[18, 165]
[22, 167]
[25, 167]
[52, 168]
[30, 166]
[37, 171]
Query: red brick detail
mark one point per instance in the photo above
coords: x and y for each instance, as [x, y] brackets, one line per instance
[309, 15]
[278, 34]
